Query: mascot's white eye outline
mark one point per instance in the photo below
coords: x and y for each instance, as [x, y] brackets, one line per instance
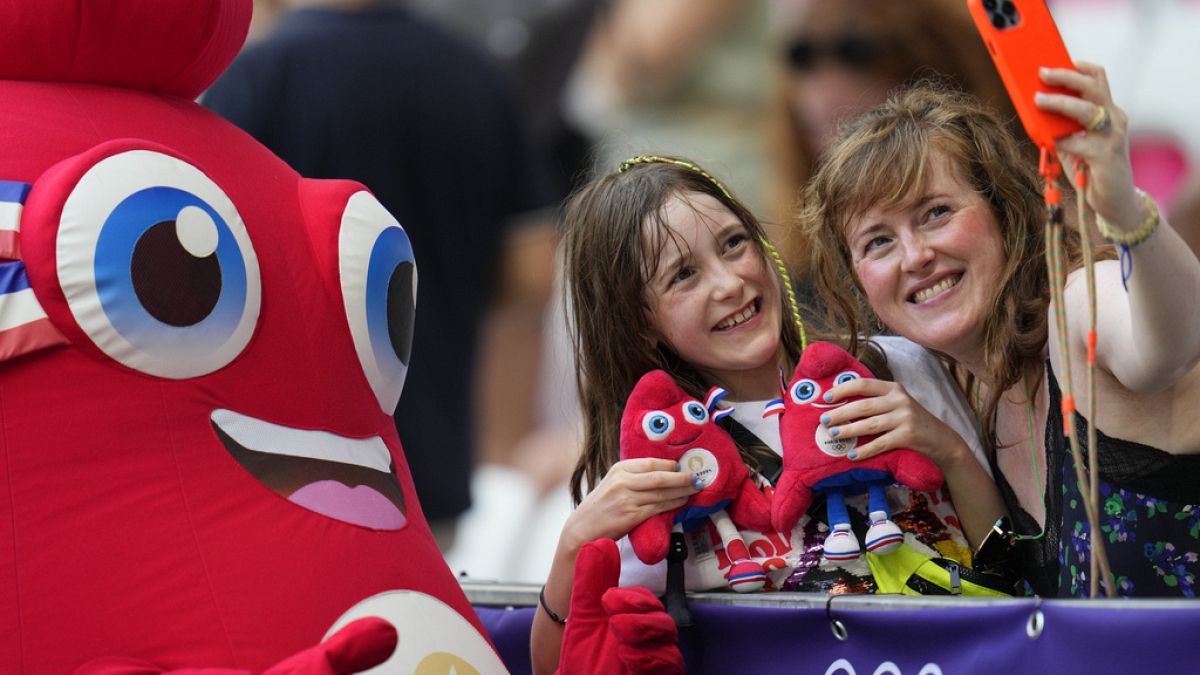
[847, 376]
[695, 412]
[378, 275]
[657, 425]
[119, 204]
[804, 391]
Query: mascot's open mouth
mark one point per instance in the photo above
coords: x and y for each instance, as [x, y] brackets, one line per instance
[347, 479]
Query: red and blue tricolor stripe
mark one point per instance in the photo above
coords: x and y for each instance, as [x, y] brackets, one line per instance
[12, 203]
[24, 326]
[774, 407]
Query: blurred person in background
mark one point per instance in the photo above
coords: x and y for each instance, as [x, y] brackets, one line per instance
[369, 91]
[842, 58]
[262, 20]
[536, 44]
[527, 435]
[679, 77]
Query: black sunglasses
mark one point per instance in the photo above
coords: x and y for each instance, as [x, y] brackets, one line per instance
[856, 51]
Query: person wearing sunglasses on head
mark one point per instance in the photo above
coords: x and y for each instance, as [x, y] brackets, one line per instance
[842, 57]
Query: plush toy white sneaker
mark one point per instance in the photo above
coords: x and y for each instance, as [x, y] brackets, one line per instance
[841, 544]
[883, 536]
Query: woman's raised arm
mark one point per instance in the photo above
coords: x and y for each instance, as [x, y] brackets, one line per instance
[1148, 338]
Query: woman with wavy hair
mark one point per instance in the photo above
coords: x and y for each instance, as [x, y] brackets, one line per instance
[926, 220]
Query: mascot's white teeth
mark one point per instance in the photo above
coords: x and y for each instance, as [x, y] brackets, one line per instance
[276, 439]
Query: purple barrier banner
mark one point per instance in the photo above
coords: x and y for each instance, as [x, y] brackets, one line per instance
[1005, 639]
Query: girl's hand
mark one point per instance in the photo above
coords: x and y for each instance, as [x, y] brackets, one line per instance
[888, 410]
[1105, 148]
[631, 491]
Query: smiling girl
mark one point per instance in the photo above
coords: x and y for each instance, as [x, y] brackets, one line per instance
[666, 270]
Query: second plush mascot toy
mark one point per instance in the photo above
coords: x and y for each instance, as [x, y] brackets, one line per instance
[815, 460]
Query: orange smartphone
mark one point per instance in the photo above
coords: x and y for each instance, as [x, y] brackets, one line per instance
[1021, 36]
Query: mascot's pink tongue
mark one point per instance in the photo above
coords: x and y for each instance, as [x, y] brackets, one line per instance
[359, 505]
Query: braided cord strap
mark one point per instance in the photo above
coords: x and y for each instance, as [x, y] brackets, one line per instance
[1051, 170]
[1098, 563]
[780, 267]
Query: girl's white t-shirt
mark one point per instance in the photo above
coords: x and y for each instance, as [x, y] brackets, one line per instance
[929, 383]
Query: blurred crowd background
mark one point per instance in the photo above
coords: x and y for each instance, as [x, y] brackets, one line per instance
[473, 119]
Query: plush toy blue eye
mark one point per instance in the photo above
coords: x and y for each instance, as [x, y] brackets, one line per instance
[845, 377]
[805, 391]
[156, 265]
[695, 412]
[657, 425]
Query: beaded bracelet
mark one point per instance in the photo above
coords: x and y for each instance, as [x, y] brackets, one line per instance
[1127, 240]
[1143, 231]
[560, 620]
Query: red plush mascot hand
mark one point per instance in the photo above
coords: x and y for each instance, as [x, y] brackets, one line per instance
[611, 629]
[360, 646]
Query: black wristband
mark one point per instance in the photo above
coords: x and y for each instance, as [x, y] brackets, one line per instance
[560, 620]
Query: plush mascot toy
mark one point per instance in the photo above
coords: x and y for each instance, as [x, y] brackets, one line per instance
[813, 460]
[200, 354]
[661, 420]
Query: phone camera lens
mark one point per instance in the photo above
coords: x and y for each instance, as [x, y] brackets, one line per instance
[989, 5]
[999, 21]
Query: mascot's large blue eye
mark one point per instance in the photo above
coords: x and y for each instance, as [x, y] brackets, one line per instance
[657, 425]
[379, 284]
[805, 391]
[845, 377]
[695, 412]
[156, 265]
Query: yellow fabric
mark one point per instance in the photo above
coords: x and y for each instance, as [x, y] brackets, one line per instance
[892, 572]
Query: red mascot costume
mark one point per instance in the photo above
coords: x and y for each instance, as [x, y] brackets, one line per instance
[200, 352]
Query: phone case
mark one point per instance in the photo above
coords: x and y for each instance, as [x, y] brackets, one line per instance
[1022, 37]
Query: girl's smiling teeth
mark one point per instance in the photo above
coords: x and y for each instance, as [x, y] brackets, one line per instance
[936, 289]
[749, 312]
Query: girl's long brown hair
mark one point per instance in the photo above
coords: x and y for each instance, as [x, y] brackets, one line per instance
[613, 233]
[882, 160]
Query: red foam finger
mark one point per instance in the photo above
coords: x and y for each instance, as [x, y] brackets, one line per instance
[629, 600]
[659, 660]
[644, 628]
[361, 645]
[597, 569]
